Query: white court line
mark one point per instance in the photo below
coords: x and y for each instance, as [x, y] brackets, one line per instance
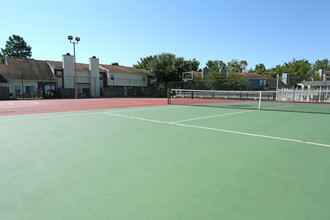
[221, 130]
[213, 116]
[143, 109]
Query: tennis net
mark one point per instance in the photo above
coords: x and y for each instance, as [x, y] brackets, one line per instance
[291, 101]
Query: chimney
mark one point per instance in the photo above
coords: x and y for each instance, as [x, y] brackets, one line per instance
[94, 74]
[68, 72]
[321, 74]
[94, 66]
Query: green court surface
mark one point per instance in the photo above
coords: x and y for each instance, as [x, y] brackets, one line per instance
[169, 162]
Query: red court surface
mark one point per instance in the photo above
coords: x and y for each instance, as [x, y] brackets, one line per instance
[26, 107]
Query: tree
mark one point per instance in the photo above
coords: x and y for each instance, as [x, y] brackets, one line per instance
[191, 65]
[2, 59]
[221, 81]
[260, 68]
[16, 47]
[236, 82]
[166, 67]
[237, 66]
[278, 70]
[216, 65]
[115, 64]
[214, 80]
[298, 68]
[145, 63]
[319, 64]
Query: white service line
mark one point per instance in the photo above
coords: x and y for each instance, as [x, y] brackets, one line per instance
[213, 116]
[220, 130]
[144, 109]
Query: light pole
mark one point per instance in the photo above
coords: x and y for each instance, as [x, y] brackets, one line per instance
[74, 42]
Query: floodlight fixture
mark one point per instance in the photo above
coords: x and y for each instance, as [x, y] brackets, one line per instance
[77, 39]
[70, 37]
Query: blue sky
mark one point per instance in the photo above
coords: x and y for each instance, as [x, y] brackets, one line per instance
[269, 32]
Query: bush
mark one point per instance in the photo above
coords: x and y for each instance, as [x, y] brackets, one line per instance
[49, 95]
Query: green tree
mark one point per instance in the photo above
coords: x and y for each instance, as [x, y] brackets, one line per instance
[216, 65]
[237, 66]
[2, 59]
[166, 67]
[191, 65]
[278, 70]
[115, 64]
[319, 64]
[260, 68]
[221, 81]
[236, 82]
[16, 47]
[145, 62]
[299, 68]
[214, 80]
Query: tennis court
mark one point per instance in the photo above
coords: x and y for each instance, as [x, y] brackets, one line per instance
[165, 162]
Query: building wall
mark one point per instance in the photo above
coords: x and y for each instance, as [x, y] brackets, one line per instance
[15, 88]
[257, 84]
[128, 79]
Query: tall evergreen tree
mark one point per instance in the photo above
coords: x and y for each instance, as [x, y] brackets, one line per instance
[16, 47]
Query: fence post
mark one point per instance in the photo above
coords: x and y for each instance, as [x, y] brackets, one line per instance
[259, 101]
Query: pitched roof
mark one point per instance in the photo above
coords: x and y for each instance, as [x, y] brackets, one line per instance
[123, 69]
[270, 81]
[26, 69]
[253, 75]
[59, 65]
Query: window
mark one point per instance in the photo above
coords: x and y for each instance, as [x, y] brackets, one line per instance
[30, 91]
[262, 82]
[59, 74]
[112, 76]
[144, 78]
[79, 90]
[18, 90]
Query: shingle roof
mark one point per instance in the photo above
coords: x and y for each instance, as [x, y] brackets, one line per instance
[26, 69]
[253, 75]
[59, 65]
[123, 69]
[270, 81]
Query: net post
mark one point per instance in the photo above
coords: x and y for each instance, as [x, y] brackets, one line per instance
[168, 96]
[259, 100]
